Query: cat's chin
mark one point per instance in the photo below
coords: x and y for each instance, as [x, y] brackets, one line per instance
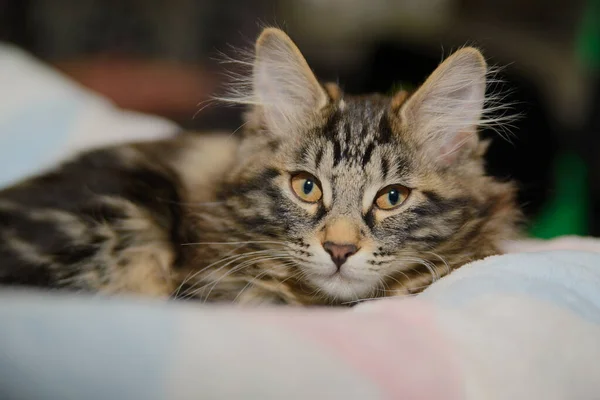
[342, 287]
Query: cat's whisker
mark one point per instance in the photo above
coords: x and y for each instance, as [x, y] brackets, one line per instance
[361, 300]
[427, 264]
[229, 260]
[403, 295]
[317, 291]
[259, 276]
[232, 251]
[239, 242]
[238, 128]
[193, 274]
[203, 105]
[292, 276]
[390, 276]
[448, 269]
[266, 254]
[401, 272]
[175, 293]
[239, 267]
[193, 289]
[417, 289]
[381, 287]
[415, 260]
[353, 290]
[388, 290]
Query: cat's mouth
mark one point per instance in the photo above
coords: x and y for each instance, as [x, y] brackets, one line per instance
[343, 285]
[341, 274]
[344, 275]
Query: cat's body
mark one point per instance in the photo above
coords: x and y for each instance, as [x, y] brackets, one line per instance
[323, 199]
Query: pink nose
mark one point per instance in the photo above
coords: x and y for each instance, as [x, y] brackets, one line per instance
[339, 252]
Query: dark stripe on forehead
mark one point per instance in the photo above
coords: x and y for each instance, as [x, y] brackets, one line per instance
[384, 129]
[367, 156]
[303, 153]
[337, 152]
[401, 163]
[385, 167]
[319, 157]
[348, 131]
[330, 128]
[347, 145]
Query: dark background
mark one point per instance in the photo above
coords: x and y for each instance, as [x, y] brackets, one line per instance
[161, 56]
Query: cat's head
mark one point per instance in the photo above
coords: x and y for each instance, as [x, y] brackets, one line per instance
[371, 190]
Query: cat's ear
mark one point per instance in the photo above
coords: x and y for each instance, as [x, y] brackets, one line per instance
[283, 83]
[443, 114]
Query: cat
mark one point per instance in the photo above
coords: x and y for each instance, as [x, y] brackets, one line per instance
[321, 199]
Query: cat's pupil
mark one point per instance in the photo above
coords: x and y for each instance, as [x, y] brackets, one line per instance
[393, 196]
[308, 186]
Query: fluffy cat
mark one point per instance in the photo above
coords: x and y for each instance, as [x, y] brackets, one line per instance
[323, 198]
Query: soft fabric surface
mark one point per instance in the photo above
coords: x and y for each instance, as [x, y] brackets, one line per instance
[45, 117]
[521, 326]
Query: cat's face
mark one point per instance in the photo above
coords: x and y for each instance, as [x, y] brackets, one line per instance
[361, 190]
[354, 203]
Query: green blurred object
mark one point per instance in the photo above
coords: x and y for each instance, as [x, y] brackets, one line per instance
[588, 39]
[568, 212]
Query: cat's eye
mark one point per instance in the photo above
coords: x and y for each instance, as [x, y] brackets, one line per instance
[306, 187]
[391, 197]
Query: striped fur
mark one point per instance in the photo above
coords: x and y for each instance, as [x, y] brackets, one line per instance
[213, 217]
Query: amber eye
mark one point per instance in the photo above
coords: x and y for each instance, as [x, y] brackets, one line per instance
[391, 197]
[306, 187]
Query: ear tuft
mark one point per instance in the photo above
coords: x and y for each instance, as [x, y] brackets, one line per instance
[283, 83]
[443, 114]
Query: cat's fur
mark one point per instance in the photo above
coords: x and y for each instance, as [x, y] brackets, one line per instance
[213, 217]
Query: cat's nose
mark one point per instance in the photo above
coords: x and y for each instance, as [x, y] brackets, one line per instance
[339, 252]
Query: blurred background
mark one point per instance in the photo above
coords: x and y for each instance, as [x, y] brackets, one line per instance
[161, 57]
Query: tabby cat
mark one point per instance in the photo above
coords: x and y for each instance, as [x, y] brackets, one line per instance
[323, 198]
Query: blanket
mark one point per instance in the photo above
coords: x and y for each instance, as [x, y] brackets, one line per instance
[521, 326]
[45, 118]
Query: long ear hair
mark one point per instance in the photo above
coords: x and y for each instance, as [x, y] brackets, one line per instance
[281, 85]
[445, 113]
